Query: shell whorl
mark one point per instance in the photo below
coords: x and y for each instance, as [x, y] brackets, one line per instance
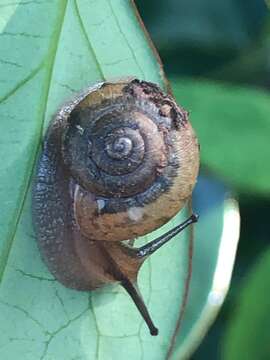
[122, 147]
[122, 144]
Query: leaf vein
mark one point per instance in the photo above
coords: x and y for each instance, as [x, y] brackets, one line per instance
[21, 83]
[125, 38]
[88, 42]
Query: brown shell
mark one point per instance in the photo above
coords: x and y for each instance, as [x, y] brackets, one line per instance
[173, 157]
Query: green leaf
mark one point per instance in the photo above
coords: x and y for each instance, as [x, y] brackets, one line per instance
[248, 328]
[49, 50]
[233, 126]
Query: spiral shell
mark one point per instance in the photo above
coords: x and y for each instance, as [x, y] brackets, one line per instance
[132, 157]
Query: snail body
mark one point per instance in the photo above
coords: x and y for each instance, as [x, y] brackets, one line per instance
[118, 161]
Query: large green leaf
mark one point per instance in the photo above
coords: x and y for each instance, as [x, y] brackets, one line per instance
[248, 328]
[233, 126]
[49, 50]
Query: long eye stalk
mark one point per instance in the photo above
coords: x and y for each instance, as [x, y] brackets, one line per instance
[152, 246]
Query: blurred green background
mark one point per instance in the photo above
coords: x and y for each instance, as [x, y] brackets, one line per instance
[217, 56]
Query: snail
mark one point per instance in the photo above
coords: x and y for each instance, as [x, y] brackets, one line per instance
[118, 161]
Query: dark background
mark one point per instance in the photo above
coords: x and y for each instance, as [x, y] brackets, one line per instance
[224, 41]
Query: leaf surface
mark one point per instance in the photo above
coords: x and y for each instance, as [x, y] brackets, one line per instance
[49, 51]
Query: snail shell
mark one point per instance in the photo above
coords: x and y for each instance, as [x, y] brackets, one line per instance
[118, 161]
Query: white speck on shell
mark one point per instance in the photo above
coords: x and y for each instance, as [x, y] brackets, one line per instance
[100, 204]
[135, 213]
